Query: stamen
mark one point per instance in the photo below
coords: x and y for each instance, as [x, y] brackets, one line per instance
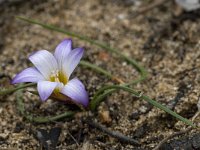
[58, 76]
[62, 77]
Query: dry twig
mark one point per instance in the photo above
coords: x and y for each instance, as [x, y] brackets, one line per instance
[114, 134]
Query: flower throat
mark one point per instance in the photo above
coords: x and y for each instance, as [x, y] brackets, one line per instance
[58, 76]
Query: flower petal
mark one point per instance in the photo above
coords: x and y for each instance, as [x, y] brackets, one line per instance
[72, 61]
[28, 75]
[45, 62]
[45, 89]
[76, 91]
[189, 5]
[62, 51]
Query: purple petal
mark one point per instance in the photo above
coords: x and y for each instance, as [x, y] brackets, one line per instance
[76, 91]
[62, 51]
[45, 62]
[72, 61]
[45, 89]
[28, 75]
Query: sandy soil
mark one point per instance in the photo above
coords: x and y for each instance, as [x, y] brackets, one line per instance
[167, 46]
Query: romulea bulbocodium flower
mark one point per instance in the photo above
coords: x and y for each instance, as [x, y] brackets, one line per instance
[52, 74]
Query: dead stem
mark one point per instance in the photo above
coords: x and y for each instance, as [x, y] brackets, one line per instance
[114, 134]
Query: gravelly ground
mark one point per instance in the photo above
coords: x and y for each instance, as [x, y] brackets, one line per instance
[173, 63]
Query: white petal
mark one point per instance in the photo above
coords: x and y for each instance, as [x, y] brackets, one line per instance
[189, 5]
[28, 75]
[62, 51]
[45, 89]
[72, 61]
[45, 62]
[76, 91]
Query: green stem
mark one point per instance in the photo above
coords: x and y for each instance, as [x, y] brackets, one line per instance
[153, 102]
[99, 98]
[20, 106]
[50, 119]
[96, 68]
[9, 91]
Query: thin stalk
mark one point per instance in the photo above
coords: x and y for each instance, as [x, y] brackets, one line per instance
[153, 102]
[50, 119]
[20, 106]
[9, 91]
[99, 69]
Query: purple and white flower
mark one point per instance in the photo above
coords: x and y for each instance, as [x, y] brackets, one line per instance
[51, 72]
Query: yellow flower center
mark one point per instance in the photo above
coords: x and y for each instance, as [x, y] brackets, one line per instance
[58, 76]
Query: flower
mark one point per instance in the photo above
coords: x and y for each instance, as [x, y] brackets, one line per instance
[52, 73]
[189, 5]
